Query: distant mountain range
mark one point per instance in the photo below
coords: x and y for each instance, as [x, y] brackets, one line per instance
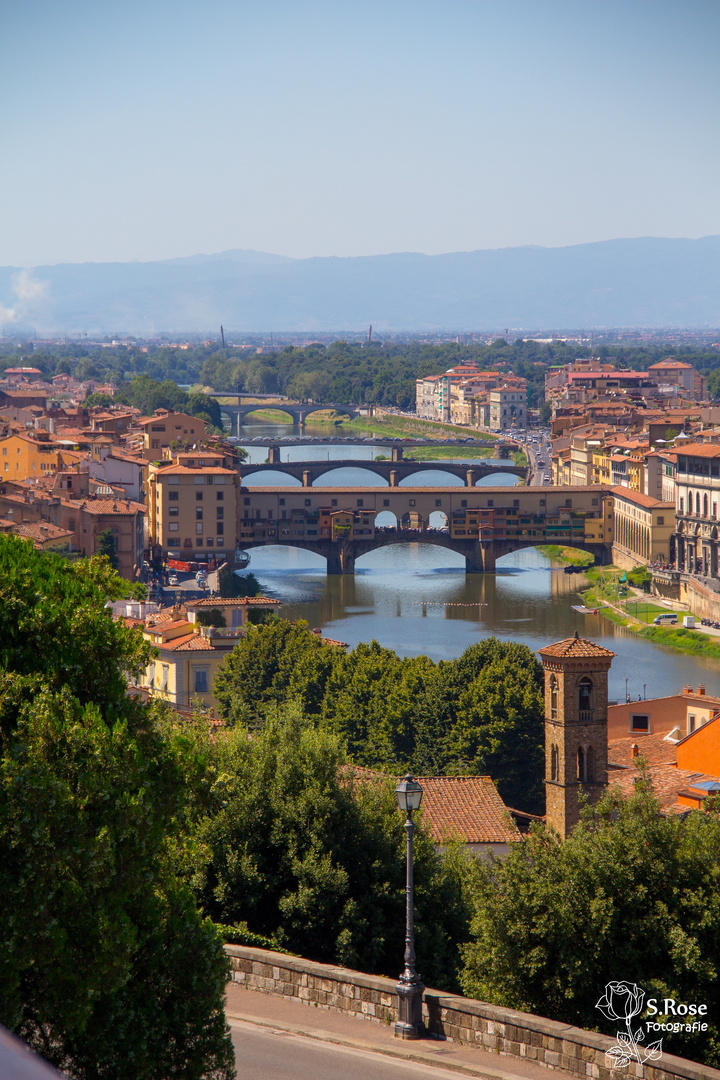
[648, 282]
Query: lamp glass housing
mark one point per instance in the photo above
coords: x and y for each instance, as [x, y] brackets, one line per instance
[409, 794]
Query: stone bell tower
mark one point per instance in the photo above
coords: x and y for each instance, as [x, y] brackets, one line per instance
[576, 698]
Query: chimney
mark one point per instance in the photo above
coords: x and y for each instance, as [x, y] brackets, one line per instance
[635, 750]
[687, 689]
[701, 690]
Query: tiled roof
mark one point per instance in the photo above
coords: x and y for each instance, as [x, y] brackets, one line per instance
[172, 470]
[709, 450]
[638, 497]
[106, 506]
[467, 807]
[575, 646]
[656, 750]
[670, 364]
[667, 782]
[191, 643]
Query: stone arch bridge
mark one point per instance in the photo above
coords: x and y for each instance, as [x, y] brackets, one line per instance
[340, 523]
[299, 412]
[390, 471]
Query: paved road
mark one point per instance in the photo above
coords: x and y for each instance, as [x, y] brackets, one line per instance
[273, 1054]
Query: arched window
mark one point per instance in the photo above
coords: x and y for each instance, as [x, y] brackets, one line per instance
[705, 506]
[697, 503]
[553, 697]
[581, 765]
[584, 695]
[554, 763]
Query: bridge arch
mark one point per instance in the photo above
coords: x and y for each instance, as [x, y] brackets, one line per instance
[327, 476]
[276, 477]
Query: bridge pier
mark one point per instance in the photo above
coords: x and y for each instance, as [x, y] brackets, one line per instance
[306, 478]
[341, 558]
[274, 455]
[393, 478]
[397, 453]
[481, 559]
[470, 478]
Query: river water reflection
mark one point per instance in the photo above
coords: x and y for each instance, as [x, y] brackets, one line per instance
[416, 598]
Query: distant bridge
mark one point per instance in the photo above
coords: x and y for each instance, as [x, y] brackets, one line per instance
[571, 516]
[391, 471]
[297, 410]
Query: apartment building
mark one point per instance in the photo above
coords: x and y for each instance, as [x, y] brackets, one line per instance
[697, 497]
[508, 405]
[192, 505]
[166, 431]
[643, 528]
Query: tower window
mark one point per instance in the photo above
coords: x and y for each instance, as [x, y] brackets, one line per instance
[584, 691]
[553, 698]
[554, 764]
[582, 764]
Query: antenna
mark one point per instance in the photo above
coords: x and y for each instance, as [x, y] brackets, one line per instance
[222, 335]
[370, 334]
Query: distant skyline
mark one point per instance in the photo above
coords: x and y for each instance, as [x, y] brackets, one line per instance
[156, 129]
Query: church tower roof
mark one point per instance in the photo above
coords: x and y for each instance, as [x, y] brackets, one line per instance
[575, 646]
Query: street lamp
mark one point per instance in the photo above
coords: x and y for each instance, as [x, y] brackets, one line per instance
[410, 989]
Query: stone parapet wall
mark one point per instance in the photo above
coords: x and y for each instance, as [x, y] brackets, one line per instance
[555, 1045]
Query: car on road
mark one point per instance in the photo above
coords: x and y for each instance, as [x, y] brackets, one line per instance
[173, 579]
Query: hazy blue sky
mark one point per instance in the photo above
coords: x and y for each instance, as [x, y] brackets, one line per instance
[158, 128]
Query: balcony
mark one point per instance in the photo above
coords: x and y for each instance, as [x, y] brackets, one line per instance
[585, 716]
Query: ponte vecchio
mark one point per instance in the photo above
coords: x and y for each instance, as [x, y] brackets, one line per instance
[480, 523]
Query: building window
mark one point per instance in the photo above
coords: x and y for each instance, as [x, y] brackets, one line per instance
[691, 724]
[640, 723]
[361, 502]
[198, 513]
[220, 528]
[220, 512]
[553, 698]
[201, 680]
[554, 764]
[199, 528]
[173, 496]
[333, 502]
[661, 520]
[220, 495]
[173, 511]
[173, 527]
[412, 502]
[165, 678]
[463, 502]
[308, 502]
[246, 502]
[386, 502]
[682, 507]
[584, 690]
[438, 502]
[198, 496]
[209, 541]
[174, 541]
[491, 502]
[581, 764]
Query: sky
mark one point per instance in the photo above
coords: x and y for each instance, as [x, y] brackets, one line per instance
[152, 129]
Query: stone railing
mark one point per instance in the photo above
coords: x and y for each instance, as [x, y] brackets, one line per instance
[473, 1023]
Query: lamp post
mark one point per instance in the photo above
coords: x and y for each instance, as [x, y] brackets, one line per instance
[410, 989]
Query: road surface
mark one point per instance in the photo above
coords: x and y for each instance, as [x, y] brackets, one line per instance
[265, 1053]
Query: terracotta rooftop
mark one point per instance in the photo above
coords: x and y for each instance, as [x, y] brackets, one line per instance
[191, 643]
[467, 807]
[656, 750]
[639, 498]
[709, 450]
[575, 646]
[667, 781]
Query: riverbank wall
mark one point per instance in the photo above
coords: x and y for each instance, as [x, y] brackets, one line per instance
[703, 602]
[557, 1046]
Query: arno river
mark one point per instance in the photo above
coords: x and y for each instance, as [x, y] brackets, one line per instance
[418, 599]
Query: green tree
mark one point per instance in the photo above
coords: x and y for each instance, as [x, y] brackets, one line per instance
[295, 849]
[631, 895]
[106, 968]
[107, 546]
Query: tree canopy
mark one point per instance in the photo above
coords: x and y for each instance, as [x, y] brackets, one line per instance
[631, 895]
[481, 713]
[106, 967]
[305, 852]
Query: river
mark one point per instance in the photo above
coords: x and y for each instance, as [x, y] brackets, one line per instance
[417, 599]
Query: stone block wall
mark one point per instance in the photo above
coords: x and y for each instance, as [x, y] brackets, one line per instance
[557, 1046]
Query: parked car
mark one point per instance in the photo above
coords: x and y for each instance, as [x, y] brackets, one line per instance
[666, 617]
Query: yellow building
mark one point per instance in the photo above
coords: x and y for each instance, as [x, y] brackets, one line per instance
[167, 431]
[192, 505]
[642, 528]
[23, 457]
[189, 655]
